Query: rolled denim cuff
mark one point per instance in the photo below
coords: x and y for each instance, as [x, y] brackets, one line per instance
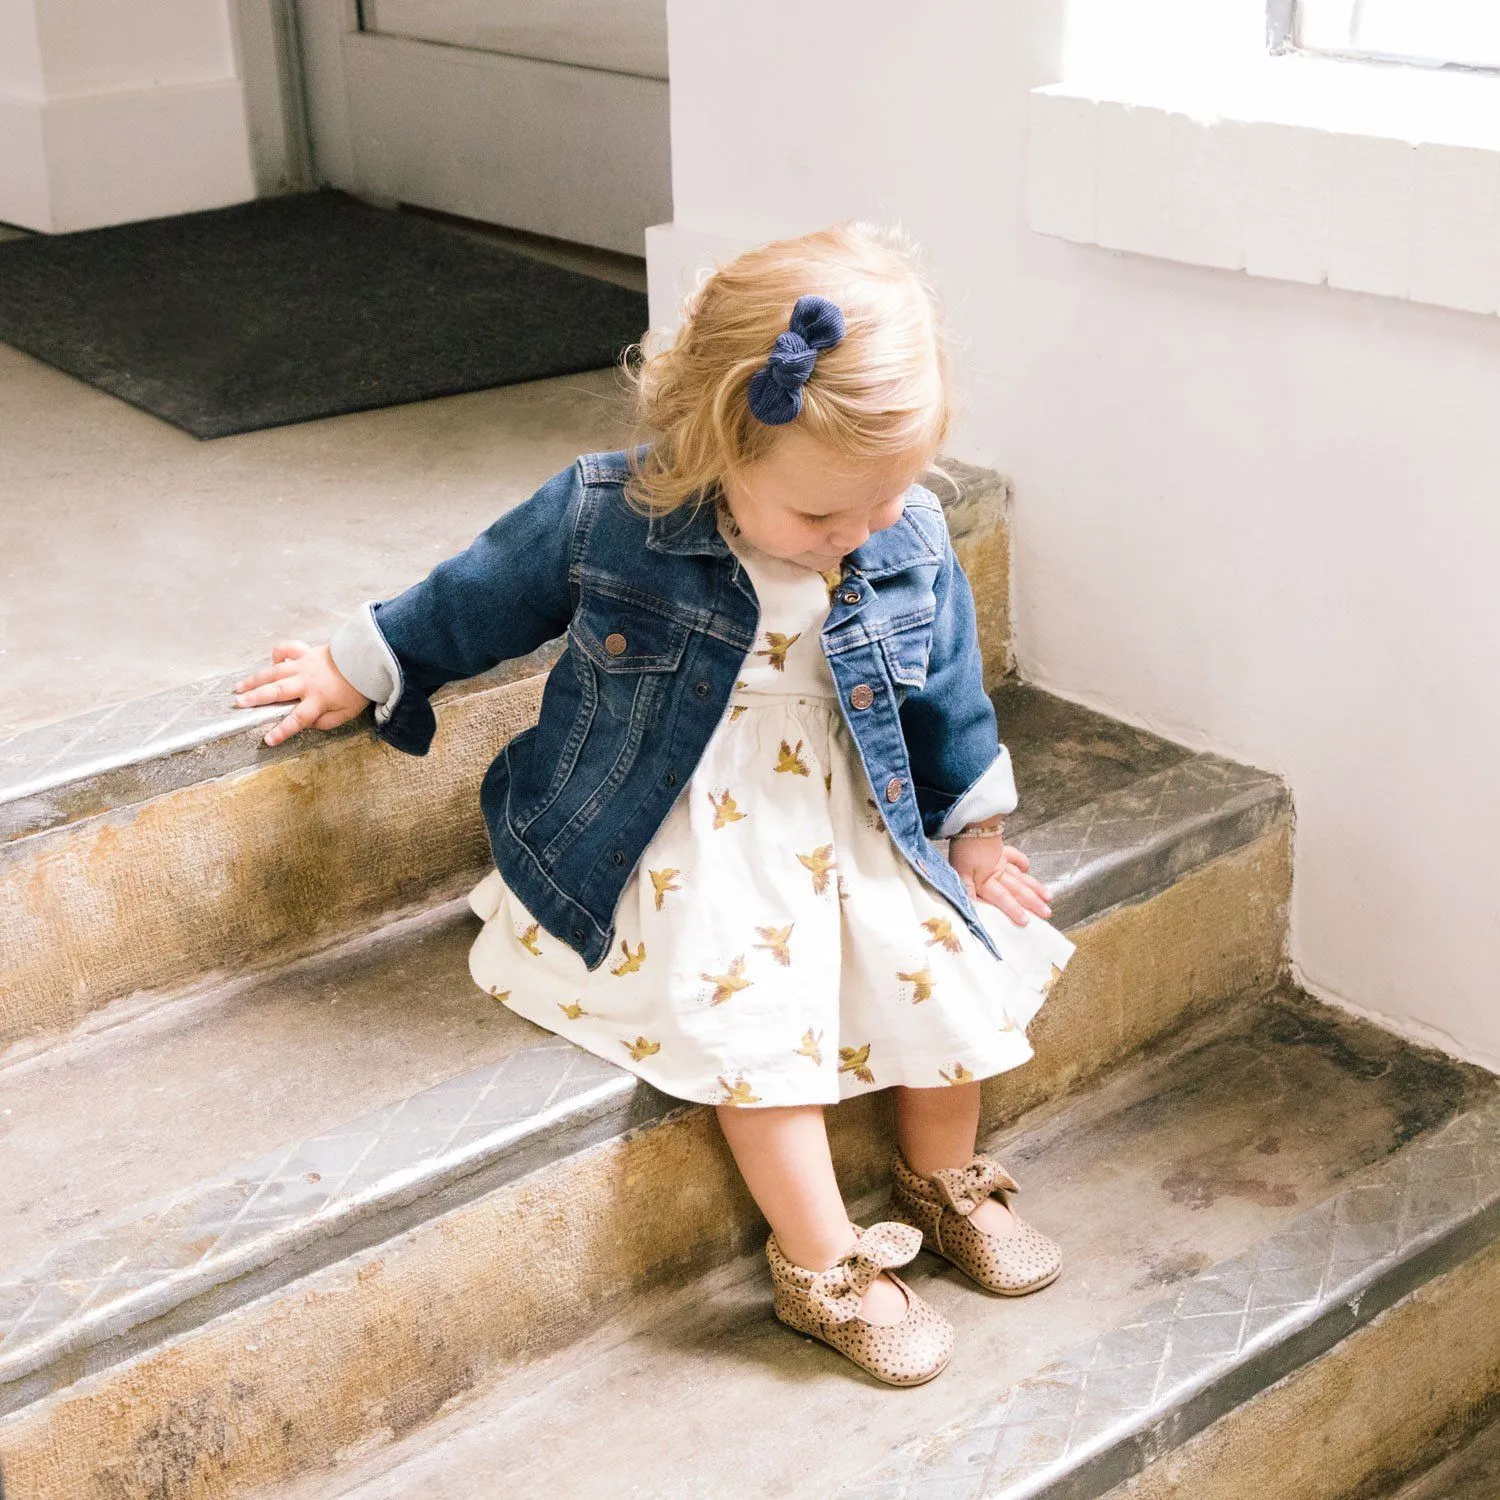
[993, 793]
[365, 658]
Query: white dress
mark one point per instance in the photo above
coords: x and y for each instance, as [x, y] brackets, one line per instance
[773, 947]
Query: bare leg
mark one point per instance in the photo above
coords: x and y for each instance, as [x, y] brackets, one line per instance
[783, 1156]
[938, 1128]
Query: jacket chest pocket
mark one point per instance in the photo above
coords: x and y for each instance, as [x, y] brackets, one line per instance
[626, 648]
[906, 653]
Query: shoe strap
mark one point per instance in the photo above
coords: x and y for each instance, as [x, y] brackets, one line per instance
[840, 1289]
[965, 1188]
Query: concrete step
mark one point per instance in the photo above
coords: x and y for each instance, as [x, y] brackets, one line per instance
[310, 1206]
[149, 847]
[1218, 1199]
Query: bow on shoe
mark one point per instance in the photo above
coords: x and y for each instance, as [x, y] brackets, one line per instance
[840, 1289]
[776, 388]
[965, 1188]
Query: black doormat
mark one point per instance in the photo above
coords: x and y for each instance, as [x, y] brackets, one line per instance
[288, 309]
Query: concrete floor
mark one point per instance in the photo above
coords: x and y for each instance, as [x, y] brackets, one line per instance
[135, 558]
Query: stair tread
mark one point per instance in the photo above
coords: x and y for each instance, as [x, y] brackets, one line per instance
[123, 1117]
[1182, 1160]
[1066, 755]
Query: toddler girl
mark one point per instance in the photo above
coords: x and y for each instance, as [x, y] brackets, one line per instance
[714, 856]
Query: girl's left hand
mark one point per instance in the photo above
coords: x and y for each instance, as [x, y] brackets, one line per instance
[999, 873]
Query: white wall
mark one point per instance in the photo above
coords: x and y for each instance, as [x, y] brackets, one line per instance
[112, 110]
[1260, 518]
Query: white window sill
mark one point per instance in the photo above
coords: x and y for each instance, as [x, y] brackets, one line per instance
[1371, 178]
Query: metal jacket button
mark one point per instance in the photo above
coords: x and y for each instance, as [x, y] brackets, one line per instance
[851, 596]
[893, 789]
[861, 695]
[614, 643]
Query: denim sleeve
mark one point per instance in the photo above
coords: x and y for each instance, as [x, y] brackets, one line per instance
[503, 596]
[961, 770]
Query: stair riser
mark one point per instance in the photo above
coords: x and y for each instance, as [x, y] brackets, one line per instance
[985, 555]
[286, 857]
[1146, 965]
[372, 1347]
[1356, 1420]
[250, 870]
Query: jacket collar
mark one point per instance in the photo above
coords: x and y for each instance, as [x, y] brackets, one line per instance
[894, 550]
[691, 528]
[694, 530]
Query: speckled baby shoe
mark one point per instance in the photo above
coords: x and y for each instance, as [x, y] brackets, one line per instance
[941, 1205]
[825, 1305]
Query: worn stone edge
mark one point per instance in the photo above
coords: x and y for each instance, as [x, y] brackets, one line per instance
[1349, 1300]
[983, 499]
[405, 1196]
[203, 752]
[1138, 871]
[425, 1186]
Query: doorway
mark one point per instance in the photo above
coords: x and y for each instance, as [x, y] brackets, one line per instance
[546, 116]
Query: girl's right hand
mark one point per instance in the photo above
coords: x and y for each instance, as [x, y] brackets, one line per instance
[307, 673]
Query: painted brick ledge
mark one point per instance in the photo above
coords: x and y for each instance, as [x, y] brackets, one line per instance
[1313, 175]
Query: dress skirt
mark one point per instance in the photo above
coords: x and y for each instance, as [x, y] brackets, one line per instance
[773, 947]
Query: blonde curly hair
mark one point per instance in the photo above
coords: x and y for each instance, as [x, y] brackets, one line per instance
[881, 393]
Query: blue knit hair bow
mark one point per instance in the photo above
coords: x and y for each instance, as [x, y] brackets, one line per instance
[776, 388]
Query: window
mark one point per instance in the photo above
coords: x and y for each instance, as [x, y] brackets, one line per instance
[1431, 32]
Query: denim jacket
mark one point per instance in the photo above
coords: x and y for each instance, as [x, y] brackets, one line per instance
[659, 615]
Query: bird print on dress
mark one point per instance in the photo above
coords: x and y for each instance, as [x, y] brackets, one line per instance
[631, 963]
[729, 984]
[789, 759]
[737, 1092]
[819, 862]
[943, 934]
[663, 883]
[937, 998]
[725, 809]
[832, 578]
[777, 646]
[774, 940]
[856, 1060]
[921, 982]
